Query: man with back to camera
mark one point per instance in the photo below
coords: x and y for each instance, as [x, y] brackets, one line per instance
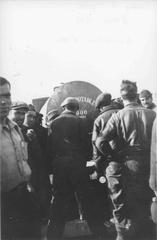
[106, 108]
[128, 174]
[68, 168]
[146, 99]
[15, 172]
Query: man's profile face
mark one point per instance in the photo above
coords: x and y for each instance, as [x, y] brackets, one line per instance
[5, 100]
[146, 101]
[30, 118]
[18, 116]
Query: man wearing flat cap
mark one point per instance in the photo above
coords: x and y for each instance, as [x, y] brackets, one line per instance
[128, 174]
[68, 166]
[65, 159]
[146, 99]
[17, 112]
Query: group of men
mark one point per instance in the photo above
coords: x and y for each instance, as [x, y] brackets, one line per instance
[122, 148]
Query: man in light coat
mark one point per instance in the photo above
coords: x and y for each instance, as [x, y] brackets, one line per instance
[128, 174]
[15, 172]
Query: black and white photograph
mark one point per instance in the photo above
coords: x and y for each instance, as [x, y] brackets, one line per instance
[78, 104]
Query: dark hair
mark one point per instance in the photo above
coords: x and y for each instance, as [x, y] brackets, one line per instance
[128, 90]
[31, 107]
[104, 99]
[4, 81]
[145, 93]
[118, 102]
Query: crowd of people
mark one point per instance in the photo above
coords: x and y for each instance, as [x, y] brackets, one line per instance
[46, 177]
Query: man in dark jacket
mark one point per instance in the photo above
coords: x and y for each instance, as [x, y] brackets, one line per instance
[128, 175]
[68, 166]
[106, 108]
[36, 139]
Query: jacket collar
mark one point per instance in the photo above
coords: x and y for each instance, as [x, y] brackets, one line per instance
[110, 107]
[132, 104]
[68, 112]
[9, 124]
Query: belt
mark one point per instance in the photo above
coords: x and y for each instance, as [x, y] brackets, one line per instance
[130, 151]
[20, 186]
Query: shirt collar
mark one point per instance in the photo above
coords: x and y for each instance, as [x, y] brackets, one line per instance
[131, 104]
[9, 124]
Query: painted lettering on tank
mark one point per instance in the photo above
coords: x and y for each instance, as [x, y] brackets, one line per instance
[85, 99]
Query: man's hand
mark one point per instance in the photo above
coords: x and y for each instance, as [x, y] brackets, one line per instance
[31, 134]
[91, 167]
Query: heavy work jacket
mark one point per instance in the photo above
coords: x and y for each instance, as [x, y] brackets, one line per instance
[101, 121]
[36, 160]
[66, 135]
[132, 127]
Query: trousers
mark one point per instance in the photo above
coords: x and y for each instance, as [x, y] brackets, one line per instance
[70, 178]
[128, 183]
[19, 216]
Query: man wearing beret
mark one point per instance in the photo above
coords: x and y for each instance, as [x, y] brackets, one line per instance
[146, 99]
[128, 174]
[106, 108]
[17, 112]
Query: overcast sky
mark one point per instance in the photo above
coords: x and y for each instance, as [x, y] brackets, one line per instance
[44, 43]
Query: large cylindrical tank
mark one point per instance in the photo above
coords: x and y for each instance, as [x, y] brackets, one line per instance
[39, 102]
[85, 93]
